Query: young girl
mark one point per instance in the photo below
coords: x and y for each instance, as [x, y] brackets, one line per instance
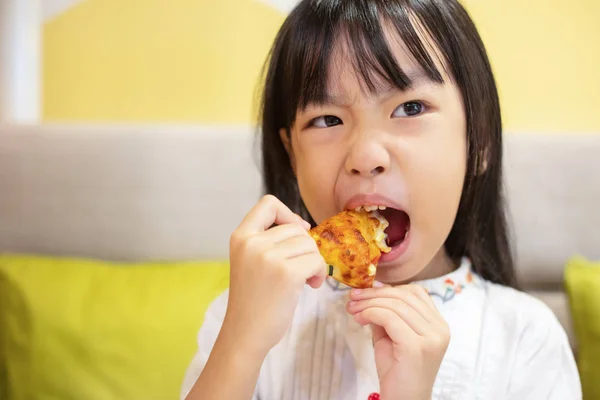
[386, 103]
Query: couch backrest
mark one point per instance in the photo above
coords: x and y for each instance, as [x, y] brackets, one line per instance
[169, 192]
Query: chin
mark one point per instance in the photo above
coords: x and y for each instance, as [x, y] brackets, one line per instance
[401, 270]
[405, 265]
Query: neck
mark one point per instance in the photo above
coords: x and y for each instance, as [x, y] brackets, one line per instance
[441, 264]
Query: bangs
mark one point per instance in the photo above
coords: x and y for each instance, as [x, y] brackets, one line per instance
[356, 31]
[319, 37]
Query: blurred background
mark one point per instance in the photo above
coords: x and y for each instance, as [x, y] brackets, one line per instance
[198, 61]
[127, 157]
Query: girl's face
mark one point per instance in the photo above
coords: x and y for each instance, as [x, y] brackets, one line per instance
[403, 150]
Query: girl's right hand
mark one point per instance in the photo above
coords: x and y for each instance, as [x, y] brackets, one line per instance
[269, 268]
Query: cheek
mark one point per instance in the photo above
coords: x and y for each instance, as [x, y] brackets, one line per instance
[437, 182]
[317, 172]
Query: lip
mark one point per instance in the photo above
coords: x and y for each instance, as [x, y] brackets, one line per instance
[371, 200]
[396, 252]
[380, 200]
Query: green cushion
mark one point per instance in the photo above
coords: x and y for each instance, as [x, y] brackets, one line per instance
[86, 329]
[582, 278]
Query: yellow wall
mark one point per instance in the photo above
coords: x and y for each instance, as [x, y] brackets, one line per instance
[199, 60]
[156, 60]
[546, 57]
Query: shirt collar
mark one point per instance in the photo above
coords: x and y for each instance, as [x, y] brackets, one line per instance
[447, 287]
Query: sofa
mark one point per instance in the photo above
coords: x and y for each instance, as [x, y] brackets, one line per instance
[134, 194]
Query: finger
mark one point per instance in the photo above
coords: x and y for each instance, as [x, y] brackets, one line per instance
[422, 293]
[281, 233]
[316, 282]
[400, 293]
[295, 246]
[416, 322]
[378, 332]
[310, 268]
[396, 328]
[418, 290]
[268, 211]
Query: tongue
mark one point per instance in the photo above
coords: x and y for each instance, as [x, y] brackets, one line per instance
[399, 224]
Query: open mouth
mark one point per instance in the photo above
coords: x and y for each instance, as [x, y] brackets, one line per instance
[393, 228]
[399, 225]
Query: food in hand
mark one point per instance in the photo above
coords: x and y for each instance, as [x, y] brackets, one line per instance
[351, 242]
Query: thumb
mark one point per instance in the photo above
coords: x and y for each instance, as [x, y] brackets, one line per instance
[268, 211]
[319, 274]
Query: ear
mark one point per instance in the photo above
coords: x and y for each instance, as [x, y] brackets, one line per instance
[286, 139]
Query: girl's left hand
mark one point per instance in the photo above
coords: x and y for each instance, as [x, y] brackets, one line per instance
[410, 338]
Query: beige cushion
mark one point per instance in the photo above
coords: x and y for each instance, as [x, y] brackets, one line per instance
[553, 186]
[130, 193]
[169, 193]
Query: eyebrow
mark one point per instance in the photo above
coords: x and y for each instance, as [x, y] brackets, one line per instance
[416, 78]
[419, 78]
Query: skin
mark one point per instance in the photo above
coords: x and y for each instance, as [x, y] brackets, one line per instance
[374, 148]
[360, 144]
[269, 268]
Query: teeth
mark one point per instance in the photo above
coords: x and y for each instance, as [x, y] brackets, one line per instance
[369, 208]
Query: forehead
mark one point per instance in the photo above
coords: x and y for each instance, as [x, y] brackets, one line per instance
[367, 52]
[351, 69]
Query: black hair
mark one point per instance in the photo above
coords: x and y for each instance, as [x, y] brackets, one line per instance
[297, 75]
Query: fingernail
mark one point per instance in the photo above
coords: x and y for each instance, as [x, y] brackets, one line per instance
[377, 284]
[351, 303]
[356, 291]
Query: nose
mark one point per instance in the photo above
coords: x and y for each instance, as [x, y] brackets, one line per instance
[367, 157]
[366, 173]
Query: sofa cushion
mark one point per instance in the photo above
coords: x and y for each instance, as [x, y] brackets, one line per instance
[87, 329]
[582, 279]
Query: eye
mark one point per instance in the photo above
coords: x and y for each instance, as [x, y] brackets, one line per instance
[409, 109]
[326, 121]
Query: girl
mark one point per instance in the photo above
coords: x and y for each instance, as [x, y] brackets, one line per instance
[380, 103]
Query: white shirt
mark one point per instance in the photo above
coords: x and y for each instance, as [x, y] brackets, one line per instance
[505, 344]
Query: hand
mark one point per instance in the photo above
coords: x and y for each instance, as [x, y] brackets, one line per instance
[410, 338]
[269, 268]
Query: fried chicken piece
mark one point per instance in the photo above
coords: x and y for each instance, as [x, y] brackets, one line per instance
[351, 242]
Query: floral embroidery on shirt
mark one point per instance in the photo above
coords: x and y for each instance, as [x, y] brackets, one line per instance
[445, 287]
[450, 288]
